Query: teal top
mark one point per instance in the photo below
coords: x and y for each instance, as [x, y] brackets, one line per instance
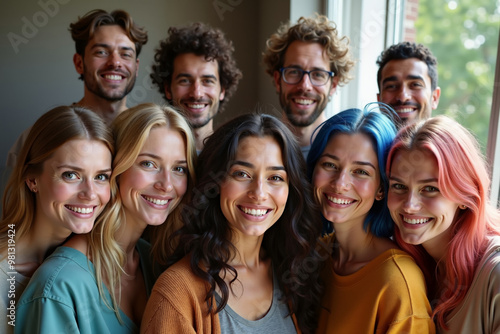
[62, 297]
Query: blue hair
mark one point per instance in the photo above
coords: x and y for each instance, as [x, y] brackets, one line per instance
[379, 126]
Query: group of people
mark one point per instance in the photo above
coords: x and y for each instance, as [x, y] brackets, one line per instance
[120, 220]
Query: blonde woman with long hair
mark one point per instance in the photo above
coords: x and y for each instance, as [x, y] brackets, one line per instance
[59, 186]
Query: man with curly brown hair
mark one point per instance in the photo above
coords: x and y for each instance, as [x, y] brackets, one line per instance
[307, 62]
[407, 80]
[195, 71]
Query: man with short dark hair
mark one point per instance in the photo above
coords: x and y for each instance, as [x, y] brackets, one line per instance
[407, 80]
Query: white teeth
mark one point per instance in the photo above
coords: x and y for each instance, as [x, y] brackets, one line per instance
[113, 77]
[196, 106]
[339, 200]
[405, 110]
[254, 212]
[304, 101]
[80, 210]
[416, 221]
[156, 201]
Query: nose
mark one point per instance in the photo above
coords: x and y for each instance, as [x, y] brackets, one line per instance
[196, 90]
[305, 82]
[164, 181]
[258, 190]
[342, 181]
[403, 94]
[87, 190]
[114, 60]
[412, 203]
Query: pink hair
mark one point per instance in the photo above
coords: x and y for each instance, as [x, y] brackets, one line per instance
[464, 179]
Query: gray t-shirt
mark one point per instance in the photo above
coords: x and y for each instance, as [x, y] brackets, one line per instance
[276, 320]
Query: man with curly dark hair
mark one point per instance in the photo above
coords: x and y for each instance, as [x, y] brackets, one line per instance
[313, 47]
[407, 80]
[195, 71]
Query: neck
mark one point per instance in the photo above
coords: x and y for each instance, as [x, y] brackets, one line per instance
[304, 134]
[353, 242]
[437, 247]
[129, 234]
[201, 133]
[248, 252]
[41, 240]
[108, 110]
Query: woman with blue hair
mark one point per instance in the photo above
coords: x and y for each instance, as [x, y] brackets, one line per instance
[371, 286]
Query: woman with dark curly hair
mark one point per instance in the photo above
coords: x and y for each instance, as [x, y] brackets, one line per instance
[246, 259]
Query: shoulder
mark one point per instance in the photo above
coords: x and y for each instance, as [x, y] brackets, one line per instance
[400, 270]
[179, 283]
[65, 272]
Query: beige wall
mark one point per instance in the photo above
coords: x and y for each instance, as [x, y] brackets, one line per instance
[37, 72]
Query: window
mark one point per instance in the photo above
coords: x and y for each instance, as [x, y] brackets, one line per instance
[464, 37]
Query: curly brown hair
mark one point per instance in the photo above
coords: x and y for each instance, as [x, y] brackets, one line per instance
[312, 30]
[202, 40]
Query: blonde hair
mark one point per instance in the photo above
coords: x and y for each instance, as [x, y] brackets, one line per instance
[130, 130]
[50, 131]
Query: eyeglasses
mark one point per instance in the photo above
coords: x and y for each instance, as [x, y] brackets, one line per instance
[293, 75]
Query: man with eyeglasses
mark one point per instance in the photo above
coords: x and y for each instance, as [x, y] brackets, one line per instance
[307, 62]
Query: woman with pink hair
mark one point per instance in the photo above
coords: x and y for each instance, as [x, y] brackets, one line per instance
[438, 198]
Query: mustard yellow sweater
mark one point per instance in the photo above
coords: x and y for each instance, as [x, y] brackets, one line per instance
[388, 295]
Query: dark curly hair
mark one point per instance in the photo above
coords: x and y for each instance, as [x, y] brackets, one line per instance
[289, 243]
[406, 50]
[202, 40]
[312, 30]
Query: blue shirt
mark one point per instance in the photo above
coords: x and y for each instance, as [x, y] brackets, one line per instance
[62, 297]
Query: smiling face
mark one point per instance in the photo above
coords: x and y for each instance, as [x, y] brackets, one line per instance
[303, 102]
[155, 184]
[73, 187]
[422, 214]
[109, 66]
[195, 88]
[405, 85]
[254, 194]
[346, 178]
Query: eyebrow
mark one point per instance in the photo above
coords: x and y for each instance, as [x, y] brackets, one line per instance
[190, 76]
[249, 165]
[157, 157]
[107, 46]
[430, 180]
[357, 162]
[411, 77]
[313, 69]
[79, 169]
